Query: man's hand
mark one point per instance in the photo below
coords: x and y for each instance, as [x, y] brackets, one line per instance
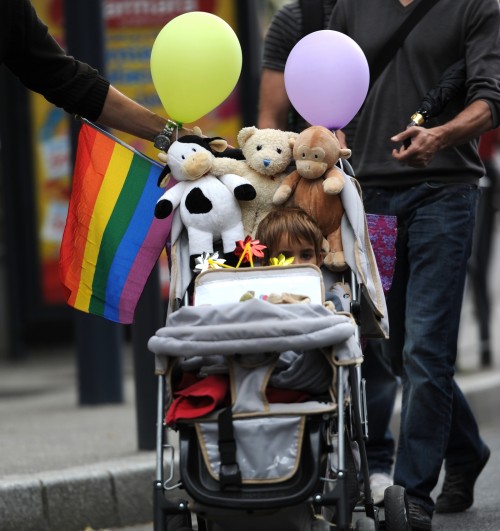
[425, 143]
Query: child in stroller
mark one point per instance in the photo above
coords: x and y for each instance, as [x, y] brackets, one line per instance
[292, 232]
[248, 461]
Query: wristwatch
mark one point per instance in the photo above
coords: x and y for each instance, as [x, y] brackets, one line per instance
[163, 140]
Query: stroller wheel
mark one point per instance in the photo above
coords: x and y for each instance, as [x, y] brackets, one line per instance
[365, 524]
[396, 509]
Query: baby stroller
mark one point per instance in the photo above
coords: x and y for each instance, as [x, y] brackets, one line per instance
[272, 420]
[251, 453]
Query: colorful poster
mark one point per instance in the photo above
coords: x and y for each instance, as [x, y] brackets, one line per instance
[131, 28]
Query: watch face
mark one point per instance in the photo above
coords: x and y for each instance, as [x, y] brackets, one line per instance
[162, 142]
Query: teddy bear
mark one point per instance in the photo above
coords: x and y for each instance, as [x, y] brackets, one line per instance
[268, 154]
[207, 205]
[315, 186]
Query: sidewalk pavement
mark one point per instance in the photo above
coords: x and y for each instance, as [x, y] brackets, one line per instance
[64, 467]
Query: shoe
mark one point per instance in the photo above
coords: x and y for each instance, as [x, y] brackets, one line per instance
[420, 519]
[457, 494]
[379, 481]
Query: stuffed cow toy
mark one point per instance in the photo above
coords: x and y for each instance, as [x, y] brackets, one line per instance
[208, 205]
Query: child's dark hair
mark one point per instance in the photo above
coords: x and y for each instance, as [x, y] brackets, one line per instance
[295, 222]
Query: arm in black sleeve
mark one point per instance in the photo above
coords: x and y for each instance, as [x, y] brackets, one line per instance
[42, 65]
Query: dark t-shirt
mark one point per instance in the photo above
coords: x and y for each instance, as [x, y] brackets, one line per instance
[453, 29]
[27, 49]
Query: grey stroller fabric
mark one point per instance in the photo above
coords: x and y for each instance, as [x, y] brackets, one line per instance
[253, 326]
[282, 435]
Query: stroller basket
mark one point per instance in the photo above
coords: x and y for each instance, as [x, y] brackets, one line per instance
[207, 491]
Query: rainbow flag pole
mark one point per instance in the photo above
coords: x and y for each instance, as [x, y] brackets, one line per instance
[111, 240]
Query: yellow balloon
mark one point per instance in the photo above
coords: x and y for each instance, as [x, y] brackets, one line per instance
[195, 64]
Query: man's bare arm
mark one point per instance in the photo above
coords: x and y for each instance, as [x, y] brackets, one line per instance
[274, 104]
[474, 120]
[124, 114]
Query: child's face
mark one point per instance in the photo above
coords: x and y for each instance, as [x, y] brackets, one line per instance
[301, 250]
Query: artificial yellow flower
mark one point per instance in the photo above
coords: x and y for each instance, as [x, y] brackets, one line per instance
[281, 260]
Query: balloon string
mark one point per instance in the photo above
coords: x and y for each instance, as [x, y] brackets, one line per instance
[179, 126]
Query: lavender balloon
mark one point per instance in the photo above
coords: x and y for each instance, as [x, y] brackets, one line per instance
[327, 78]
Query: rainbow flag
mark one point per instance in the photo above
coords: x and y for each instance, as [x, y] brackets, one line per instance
[111, 240]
